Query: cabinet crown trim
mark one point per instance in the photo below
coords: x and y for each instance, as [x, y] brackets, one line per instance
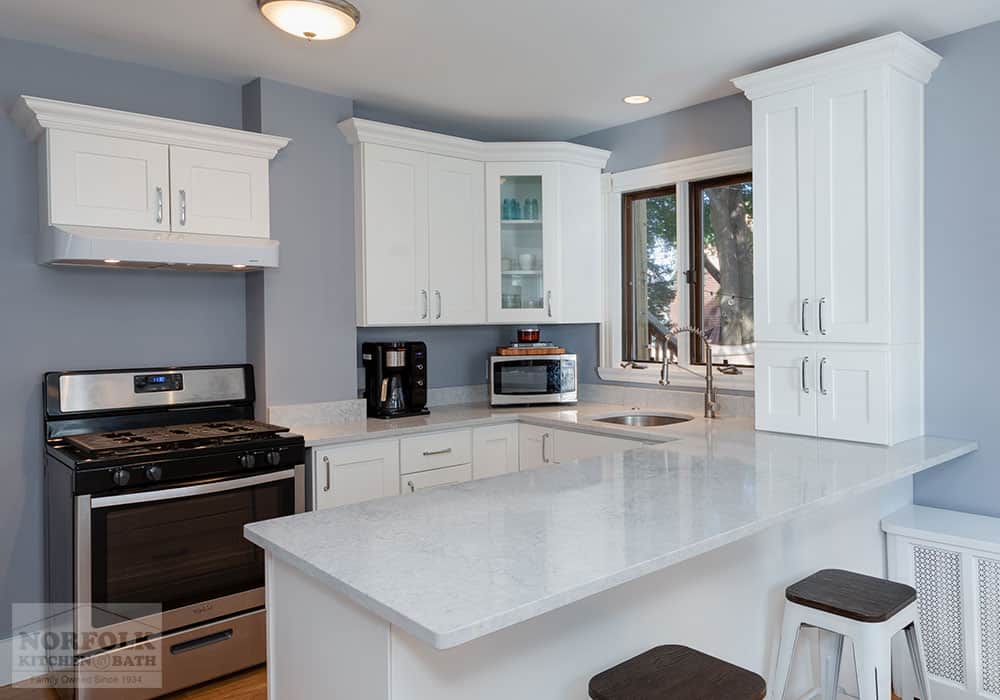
[36, 114]
[366, 131]
[896, 50]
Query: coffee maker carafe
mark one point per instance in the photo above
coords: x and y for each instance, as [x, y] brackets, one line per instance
[395, 379]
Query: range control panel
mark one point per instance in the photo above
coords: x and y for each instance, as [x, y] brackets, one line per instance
[148, 383]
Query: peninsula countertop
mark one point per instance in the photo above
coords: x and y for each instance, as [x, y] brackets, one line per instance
[456, 563]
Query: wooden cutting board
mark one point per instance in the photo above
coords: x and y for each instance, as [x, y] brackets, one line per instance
[505, 351]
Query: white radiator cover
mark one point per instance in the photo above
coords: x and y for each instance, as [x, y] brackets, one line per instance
[953, 560]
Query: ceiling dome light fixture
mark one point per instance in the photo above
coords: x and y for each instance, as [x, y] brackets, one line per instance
[636, 99]
[311, 19]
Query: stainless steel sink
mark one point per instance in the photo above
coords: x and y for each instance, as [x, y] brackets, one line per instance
[643, 420]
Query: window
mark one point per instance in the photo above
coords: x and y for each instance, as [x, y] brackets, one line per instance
[722, 278]
[662, 290]
[649, 255]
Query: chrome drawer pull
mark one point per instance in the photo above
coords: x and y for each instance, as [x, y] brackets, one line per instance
[805, 364]
[822, 371]
[184, 208]
[822, 330]
[413, 489]
[805, 304]
[159, 205]
[326, 461]
[545, 439]
[431, 453]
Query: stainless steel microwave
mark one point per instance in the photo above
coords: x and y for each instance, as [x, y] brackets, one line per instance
[519, 380]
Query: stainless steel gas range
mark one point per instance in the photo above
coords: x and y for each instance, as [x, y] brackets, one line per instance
[150, 477]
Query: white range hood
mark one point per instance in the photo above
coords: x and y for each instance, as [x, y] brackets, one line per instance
[109, 247]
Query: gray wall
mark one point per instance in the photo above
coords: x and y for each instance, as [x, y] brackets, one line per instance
[713, 126]
[78, 319]
[300, 321]
[457, 356]
[963, 252]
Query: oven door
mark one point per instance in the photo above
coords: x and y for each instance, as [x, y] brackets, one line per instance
[159, 560]
[538, 379]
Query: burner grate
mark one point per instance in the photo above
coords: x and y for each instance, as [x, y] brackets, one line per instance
[170, 437]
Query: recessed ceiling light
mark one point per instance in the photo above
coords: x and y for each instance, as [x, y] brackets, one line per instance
[311, 19]
[636, 99]
[112, 261]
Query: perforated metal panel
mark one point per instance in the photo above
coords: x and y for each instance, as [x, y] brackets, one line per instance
[937, 577]
[988, 589]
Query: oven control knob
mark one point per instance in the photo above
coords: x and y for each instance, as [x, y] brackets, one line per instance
[121, 477]
[274, 458]
[154, 473]
[247, 461]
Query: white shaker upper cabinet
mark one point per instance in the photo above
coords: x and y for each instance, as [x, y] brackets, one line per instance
[457, 241]
[853, 264]
[104, 181]
[522, 242]
[219, 193]
[784, 279]
[394, 243]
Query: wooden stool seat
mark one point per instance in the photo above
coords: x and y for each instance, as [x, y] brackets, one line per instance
[668, 672]
[854, 596]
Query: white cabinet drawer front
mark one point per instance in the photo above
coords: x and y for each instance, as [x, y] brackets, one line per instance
[435, 450]
[854, 394]
[410, 483]
[219, 193]
[494, 450]
[110, 182]
[355, 473]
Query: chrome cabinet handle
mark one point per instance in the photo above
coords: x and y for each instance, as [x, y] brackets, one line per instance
[822, 384]
[413, 489]
[545, 439]
[431, 453]
[159, 205]
[326, 461]
[437, 294]
[184, 207]
[805, 366]
[548, 301]
[805, 305]
[822, 330]
[427, 304]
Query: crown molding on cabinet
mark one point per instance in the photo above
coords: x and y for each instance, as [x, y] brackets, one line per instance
[896, 50]
[35, 114]
[365, 131]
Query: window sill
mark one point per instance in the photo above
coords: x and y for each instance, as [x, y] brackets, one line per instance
[679, 378]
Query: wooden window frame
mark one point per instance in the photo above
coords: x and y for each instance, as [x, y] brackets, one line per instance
[628, 266]
[695, 275]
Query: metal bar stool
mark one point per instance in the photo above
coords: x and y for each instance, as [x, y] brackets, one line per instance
[676, 672]
[870, 611]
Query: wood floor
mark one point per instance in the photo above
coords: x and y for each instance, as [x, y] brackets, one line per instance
[248, 685]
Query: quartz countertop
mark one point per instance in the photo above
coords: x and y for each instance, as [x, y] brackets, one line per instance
[455, 563]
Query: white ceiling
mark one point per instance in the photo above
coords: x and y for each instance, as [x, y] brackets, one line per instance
[550, 69]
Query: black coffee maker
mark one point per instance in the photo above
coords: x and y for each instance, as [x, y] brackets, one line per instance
[395, 379]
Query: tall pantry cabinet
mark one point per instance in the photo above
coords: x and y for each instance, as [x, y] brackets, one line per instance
[838, 241]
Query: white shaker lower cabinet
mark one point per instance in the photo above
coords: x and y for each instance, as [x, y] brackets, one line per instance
[494, 450]
[571, 445]
[411, 483]
[354, 473]
[219, 193]
[536, 446]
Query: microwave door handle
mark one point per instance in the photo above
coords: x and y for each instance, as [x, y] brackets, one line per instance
[186, 491]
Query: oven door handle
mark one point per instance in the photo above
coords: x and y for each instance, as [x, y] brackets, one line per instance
[185, 491]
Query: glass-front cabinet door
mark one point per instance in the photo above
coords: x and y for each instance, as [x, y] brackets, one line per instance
[522, 226]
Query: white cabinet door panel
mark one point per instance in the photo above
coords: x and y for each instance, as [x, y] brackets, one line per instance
[785, 395]
[571, 445]
[784, 240]
[854, 394]
[395, 239]
[411, 483]
[219, 193]
[109, 182]
[355, 473]
[494, 451]
[457, 227]
[852, 240]
[536, 447]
